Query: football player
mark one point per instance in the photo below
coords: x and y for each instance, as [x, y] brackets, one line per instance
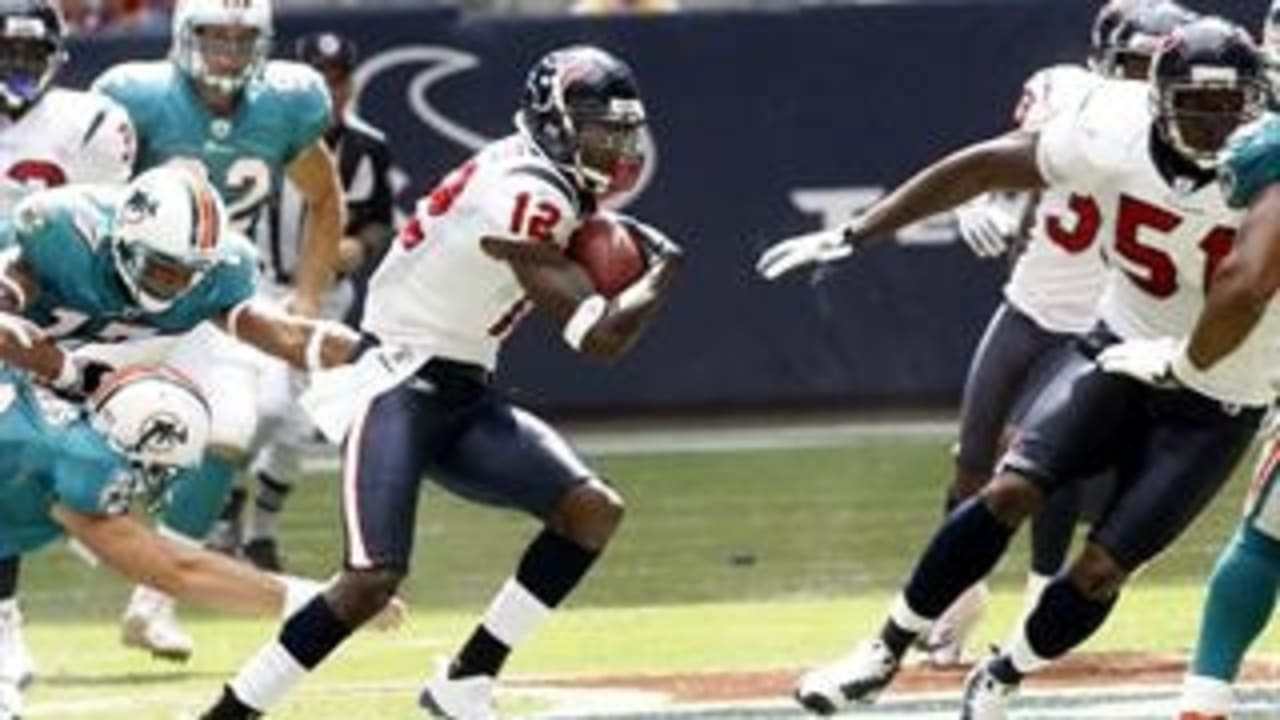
[364, 161]
[1165, 391]
[72, 470]
[482, 249]
[1051, 297]
[49, 136]
[218, 103]
[1242, 588]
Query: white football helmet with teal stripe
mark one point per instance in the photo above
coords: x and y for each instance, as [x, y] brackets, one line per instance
[158, 419]
[217, 60]
[166, 233]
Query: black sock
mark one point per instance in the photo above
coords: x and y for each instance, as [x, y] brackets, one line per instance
[1052, 529]
[9, 568]
[271, 493]
[235, 503]
[481, 654]
[551, 567]
[962, 552]
[310, 634]
[229, 707]
[1064, 618]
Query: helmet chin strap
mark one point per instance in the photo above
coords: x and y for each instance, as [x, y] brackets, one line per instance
[1200, 158]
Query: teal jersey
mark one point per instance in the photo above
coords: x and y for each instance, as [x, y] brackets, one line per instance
[50, 453]
[1251, 160]
[62, 238]
[279, 114]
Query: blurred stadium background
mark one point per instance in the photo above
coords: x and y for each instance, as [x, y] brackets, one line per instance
[782, 447]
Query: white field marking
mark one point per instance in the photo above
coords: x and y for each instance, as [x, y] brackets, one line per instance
[614, 439]
[1135, 702]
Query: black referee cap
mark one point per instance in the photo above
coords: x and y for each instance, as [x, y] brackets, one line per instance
[327, 50]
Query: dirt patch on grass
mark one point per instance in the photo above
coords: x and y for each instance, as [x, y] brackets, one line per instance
[1084, 669]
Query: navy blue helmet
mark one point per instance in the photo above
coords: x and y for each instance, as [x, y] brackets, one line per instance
[582, 107]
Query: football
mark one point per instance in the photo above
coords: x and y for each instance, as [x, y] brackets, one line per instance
[605, 249]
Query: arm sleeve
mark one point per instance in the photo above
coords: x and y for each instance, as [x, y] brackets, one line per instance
[235, 279]
[1064, 152]
[308, 111]
[97, 486]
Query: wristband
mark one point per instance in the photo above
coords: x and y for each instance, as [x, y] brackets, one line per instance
[68, 375]
[311, 356]
[584, 319]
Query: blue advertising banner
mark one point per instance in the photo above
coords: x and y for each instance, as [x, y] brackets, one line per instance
[765, 125]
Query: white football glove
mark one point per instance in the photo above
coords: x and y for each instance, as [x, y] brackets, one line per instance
[1148, 361]
[786, 255]
[986, 226]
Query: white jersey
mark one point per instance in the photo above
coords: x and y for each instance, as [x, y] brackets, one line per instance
[437, 290]
[68, 136]
[1163, 241]
[1059, 276]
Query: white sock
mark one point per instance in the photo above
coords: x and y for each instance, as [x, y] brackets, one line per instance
[267, 677]
[514, 613]
[1024, 659]
[1206, 696]
[904, 617]
[1036, 583]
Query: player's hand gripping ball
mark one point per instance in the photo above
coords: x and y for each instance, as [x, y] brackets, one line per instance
[607, 251]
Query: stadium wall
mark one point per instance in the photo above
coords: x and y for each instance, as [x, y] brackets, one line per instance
[766, 124]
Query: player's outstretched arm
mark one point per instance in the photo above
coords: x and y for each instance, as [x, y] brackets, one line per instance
[1007, 162]
[306, 344]
[315, 174]
[188, 573]
[1241, 287]
[593, 325]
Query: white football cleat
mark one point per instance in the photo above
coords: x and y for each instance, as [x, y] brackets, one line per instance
[985, 696]
[468, 698]
[16, 666]
[856, 677]
[151, 624]
[945, 644]
[10, 701]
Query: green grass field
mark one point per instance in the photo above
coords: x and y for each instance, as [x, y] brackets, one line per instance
[739, 559]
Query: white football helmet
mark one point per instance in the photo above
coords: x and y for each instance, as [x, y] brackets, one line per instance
[166, 234]
[221, 63]
[155, 417]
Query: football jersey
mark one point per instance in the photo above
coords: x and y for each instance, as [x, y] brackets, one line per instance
[437, 289]
[62, 236]
[1059, 275]
[1164, 242]
[66, 137]
[49, 452]
[280, 113]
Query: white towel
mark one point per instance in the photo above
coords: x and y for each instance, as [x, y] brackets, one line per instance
[336, 395]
